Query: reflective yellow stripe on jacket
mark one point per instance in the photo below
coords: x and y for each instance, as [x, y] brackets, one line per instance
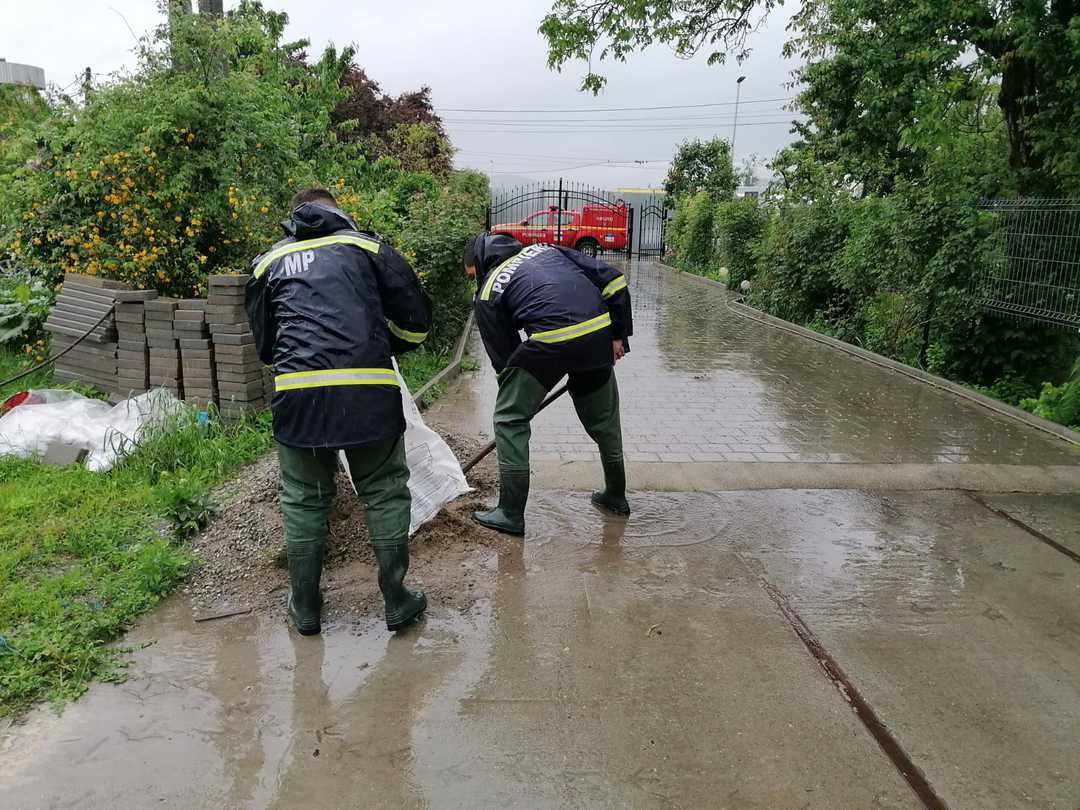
[489, 282]
[619, 283]
[310, 244]
[335, 376]
[404, 334]
[575, 331]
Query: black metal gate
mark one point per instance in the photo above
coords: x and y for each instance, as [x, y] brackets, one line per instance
[652, 217]
[576, 215]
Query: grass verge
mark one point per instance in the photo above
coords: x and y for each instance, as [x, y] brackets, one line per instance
[82, 553]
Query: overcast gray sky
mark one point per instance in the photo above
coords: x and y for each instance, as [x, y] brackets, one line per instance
[480, 54]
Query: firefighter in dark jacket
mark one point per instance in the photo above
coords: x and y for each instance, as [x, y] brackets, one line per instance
[330, 305]
[575, 313]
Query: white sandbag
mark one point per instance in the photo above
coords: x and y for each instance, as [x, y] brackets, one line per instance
[106, 432]
[435, 476]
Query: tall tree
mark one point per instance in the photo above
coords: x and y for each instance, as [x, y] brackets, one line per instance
[406, 127]
[1030, 51]
[701, 166]
[575, 29]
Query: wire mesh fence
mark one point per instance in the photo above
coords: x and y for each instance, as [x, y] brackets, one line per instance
[1033, 271]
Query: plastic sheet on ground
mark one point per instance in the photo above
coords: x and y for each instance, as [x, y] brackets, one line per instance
[53, 417]
[435, 476]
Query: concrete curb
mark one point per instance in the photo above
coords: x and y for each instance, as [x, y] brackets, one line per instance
[451, 370]
[1001, 408]
[703, 476]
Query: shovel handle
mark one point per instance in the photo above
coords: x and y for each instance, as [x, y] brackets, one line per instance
[487, 448]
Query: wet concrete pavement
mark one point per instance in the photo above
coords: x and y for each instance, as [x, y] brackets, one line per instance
[705, 384]
[655, 662]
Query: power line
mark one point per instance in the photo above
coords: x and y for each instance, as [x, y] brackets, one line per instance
[638, 120]
[609, 164]
[564, 130]
[567, 158]
[618, 109]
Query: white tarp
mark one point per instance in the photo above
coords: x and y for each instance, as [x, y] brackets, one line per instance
[106, 432]
[435, 476]
[57, 417]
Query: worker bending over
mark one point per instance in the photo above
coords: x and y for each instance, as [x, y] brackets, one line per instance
[330, 305]
[575, 312]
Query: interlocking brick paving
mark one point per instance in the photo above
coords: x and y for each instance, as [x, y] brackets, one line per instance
[704, 383]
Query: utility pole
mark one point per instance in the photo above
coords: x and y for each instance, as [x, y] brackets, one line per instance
[735, 124]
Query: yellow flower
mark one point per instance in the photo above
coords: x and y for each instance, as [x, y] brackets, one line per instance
[264, 210]
[176, 218]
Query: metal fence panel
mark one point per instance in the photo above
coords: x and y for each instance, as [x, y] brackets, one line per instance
[1033, 271]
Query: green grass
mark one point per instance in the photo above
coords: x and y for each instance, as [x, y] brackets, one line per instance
[82, 554]
[420, 366]
[714, 273]
[12, 363]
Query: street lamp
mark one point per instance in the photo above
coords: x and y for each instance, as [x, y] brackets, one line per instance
[735, 125]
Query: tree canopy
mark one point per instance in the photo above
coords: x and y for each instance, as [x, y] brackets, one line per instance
[882, 81]
[588, 30]
[701, 166]
[185, 167]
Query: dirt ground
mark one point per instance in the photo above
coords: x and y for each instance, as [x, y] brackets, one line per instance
[241, 553]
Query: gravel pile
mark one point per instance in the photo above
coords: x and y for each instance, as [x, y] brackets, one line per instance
[241, 553]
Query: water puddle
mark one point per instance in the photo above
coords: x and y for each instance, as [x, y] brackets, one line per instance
[659, 519]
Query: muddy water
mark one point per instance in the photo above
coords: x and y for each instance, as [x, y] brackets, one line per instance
[618, 663]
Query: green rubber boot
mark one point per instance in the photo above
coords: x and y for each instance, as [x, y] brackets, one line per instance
[403, 606]
[613, 496]
[509, 516]
[599, 414]
[305, 599]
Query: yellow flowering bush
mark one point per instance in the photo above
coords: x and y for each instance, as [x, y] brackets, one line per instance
[184, 168]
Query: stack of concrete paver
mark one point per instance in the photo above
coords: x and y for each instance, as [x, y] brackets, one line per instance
[196, 352]
[164, 348]
[239, 374]
[132, 361]
[81, 303]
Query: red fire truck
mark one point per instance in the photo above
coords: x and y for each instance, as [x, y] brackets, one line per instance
[593, 228]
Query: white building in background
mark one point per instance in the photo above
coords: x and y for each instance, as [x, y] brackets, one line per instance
[28, 75]
[755, 191]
